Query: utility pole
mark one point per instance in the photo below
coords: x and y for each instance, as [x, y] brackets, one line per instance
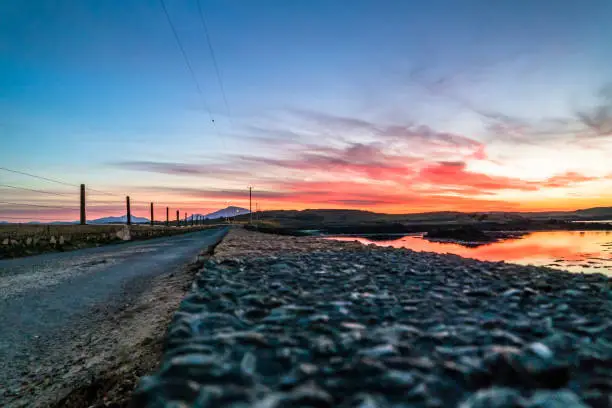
[83, 218]
[178, 221]
[167, 216]
[129, 214]
[152, 222]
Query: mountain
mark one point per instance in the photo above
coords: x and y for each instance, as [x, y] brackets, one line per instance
[595, 213]
[230, 211]
[119, 220]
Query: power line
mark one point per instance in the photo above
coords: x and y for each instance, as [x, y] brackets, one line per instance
[36, 191]
[214, 58]
[21, 218]
[189, 67]
[53, 180]
[38, 177]
[39, 205]
[102, 192]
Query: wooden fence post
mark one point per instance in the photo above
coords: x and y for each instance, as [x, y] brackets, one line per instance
[83, 217]
[167, 216]
[152, 222]
[178, 221]
[129, 215]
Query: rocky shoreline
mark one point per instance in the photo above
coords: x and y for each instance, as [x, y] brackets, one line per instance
[290, 321]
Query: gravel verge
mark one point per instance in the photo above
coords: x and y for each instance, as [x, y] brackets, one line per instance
[287, 322]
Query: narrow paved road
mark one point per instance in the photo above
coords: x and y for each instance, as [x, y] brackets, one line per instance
[45, 298]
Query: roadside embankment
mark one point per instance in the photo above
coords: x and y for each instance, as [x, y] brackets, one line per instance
[276, 321]
[24, 240]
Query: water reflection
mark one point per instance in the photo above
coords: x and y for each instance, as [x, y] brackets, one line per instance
[576, 251]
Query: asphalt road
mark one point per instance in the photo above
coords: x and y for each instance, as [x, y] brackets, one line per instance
[45, 299]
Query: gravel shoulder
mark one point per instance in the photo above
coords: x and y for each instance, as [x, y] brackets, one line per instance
[79, 328]
[280, 322]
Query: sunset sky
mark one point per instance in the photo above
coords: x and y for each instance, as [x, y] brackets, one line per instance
[390, 106]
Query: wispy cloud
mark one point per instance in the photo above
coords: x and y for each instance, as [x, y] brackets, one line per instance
[599, 118]
[180, 168]
[407, 163]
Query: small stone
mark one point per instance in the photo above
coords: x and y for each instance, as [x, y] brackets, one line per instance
[310, 395]
[399, 378]
[353, 326]
[248, 363]
[379, 351]
[555, 399]
[308, 369]
[495, 397]
[541, 350]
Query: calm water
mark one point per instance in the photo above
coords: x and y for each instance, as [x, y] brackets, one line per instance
[576, 251]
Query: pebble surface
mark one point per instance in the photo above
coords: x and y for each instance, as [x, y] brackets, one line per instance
[277, 322]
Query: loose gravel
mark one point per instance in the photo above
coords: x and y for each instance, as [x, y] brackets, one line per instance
[299, 322]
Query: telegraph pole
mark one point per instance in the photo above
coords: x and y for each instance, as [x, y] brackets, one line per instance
[129, 214]
[152, 221]
[167, 216]
[83, 217]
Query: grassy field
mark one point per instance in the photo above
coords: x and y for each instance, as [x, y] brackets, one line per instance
[355, 221]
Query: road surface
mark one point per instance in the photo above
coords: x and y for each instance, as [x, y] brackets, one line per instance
[46, 300]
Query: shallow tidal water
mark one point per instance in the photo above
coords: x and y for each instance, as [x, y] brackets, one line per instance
[574, 251]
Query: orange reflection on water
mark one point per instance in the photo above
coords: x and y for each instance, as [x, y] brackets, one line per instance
[577, 251]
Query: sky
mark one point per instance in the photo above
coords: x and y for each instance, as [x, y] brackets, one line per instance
[388, 106]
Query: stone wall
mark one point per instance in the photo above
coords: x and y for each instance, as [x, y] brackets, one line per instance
[23, 240]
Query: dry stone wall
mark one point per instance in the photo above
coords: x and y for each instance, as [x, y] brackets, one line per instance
[23, 240]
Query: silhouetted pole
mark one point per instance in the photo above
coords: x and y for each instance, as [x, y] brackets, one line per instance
[250, 207]
[192, 220]
[186, 219]
[83, 218]
[167, 216]
[178, 221]
[129, 215]
[152, 214]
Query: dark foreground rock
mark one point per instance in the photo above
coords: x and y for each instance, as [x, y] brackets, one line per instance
[374, 327]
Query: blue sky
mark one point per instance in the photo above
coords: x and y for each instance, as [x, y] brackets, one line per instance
[97, 91]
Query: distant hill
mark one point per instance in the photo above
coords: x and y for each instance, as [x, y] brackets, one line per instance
[119, 220]
[343, 216]
[330, 218]
[230, 211]
[595, 213]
